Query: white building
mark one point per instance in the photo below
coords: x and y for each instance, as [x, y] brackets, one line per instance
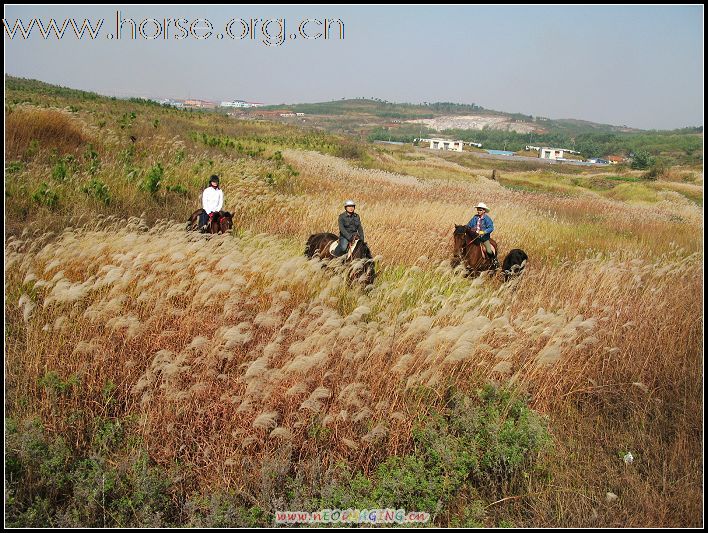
[235, 103]
[444, 144]
[241, 103]
[551, 153]
[170, 102]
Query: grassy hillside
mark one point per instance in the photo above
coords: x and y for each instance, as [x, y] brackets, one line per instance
[375, 119]
[159, 378]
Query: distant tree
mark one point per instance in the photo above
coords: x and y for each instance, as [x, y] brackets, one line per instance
[642, 160]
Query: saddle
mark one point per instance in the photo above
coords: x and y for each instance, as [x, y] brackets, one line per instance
[482, 248]
[350, 249]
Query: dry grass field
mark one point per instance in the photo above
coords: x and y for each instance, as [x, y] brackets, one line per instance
[231, 365]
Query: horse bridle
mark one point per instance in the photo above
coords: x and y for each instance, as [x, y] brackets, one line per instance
[465, 244]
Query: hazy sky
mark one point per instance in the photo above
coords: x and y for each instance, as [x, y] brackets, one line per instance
[639, 66]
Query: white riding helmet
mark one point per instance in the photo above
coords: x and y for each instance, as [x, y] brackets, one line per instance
[482, 205]
[349, 203]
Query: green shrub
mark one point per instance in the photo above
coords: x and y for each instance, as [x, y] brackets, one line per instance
[32, 149]
[92, 159]
[13, 167]
[110, 486]
[483, 445]
[59, 171]
[349, 150]
[223, 509]
[153, 180]
[642, 160]
[99, 190]
[658, 169]
[44, 195]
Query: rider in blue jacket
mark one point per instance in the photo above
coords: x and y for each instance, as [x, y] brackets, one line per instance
[482, 225]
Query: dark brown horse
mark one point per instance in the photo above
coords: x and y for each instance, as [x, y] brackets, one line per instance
[318, 245]
[359, 256]
[220, 222]
[468, 250]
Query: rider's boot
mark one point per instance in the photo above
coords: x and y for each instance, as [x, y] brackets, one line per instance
[495, 263]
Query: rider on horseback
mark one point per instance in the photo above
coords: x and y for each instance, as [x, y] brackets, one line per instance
[349, 226]
[483, 226]
[212, 201]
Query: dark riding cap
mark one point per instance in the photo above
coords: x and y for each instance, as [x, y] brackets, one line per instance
[214, 178]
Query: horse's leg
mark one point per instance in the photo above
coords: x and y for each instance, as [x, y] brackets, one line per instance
[474, 259]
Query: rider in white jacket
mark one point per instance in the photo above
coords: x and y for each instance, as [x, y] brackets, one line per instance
[212, 200]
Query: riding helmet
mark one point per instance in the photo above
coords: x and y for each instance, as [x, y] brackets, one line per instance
[349, 203]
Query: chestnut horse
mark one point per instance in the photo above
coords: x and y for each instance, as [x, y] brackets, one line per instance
[468, 250]
[362, 262]
[220, 222]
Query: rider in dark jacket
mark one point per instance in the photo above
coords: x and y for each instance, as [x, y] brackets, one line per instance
[349, 225]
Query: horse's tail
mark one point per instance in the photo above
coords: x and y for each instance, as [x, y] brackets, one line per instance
[310, 245]
[192, 221]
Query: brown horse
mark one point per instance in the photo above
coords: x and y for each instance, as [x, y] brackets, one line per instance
[220, 222]
[318, 245]
[359, 256]
[468, 250]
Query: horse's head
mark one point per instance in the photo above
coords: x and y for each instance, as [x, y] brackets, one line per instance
[459, 240]
[361, 249]
[364, 269]
[226, 222]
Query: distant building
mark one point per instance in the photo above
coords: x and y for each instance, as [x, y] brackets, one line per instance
[199, 104]
[235, 103]
[444, 144]
[598, 161]
[241, 103]
[615, 159]
[552, 153]
[170, 102]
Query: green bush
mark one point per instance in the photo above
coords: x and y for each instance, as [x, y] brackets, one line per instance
[642, 160]
[223, 509]
[153, 180]
[13, 167]
[658, 169]
[349, 150]
[110, 486]
[92, 159]
[484, 445]
[99, 190]
[44, 195]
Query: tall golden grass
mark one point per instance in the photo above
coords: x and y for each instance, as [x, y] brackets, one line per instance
[49, 128]
[229, 349]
